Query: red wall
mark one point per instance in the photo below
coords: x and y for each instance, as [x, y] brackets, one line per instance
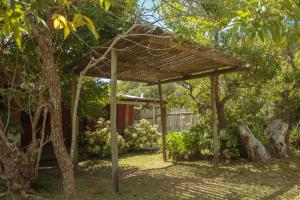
[26, 137]
[121, 117]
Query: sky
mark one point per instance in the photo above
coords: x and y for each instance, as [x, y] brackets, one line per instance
[148, 4]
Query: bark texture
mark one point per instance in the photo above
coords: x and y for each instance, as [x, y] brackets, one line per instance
[276, 132]
[255, 149]
[216, 139]
[51, 77]
[17, 169]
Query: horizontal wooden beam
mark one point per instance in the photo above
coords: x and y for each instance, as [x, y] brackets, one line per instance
[202, 75]
[136, 103]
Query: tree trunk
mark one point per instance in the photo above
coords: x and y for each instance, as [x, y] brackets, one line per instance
[16, 168]
[113, 123]
[42, 140]
[221, 114]
[255, 149]
[220, 107]
[51, 77]
[276, 132]
[75, 121]
[216, 140]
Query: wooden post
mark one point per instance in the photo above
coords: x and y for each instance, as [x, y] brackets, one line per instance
[163, 119]
[73, 96]
[113, 123]
[216, 142]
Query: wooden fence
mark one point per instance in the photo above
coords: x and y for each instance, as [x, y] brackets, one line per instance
[178, 119]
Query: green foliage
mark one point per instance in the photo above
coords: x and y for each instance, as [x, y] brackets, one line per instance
[141, 135]
[93, 97]
[202, 134]
[189, 145]
[294, 137]
[175, 145]
[230, 142]
[98, 141]
[16, 17]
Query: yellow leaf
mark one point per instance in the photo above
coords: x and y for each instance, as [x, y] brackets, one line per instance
[72, 26]
[91, 26]
[78, 20]
[62, 19]
[59, 21]
[57, 24]
[66, 32]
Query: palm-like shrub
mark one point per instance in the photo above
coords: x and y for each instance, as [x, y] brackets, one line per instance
[141, 135]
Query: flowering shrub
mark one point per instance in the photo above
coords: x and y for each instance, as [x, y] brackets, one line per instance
[98, 141]
[141, 135]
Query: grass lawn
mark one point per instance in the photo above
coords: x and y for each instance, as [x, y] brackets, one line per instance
[146, 176]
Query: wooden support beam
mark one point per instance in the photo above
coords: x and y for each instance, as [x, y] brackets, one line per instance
[113, 123]
[216, 140]
[202, 75]
[163, 119]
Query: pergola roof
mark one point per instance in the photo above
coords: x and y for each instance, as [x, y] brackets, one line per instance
[153, 56]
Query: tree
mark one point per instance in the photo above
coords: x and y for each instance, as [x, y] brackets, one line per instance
[39, 19]
[19, 78]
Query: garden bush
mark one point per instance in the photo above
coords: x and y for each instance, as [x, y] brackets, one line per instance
[141, 136]
[189, 145]
[175, 146]
[294, 138]
[98, 141]
[230, 143]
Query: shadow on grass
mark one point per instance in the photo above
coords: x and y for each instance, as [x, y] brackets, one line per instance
[182, 180]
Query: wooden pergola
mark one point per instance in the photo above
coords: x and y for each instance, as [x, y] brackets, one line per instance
[150, 55]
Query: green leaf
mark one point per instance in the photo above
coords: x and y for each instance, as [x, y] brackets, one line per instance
[107, 4]
[18, 41]
[101, 2]
[233, 24]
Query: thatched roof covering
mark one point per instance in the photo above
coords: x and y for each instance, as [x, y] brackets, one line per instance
[152, 56]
